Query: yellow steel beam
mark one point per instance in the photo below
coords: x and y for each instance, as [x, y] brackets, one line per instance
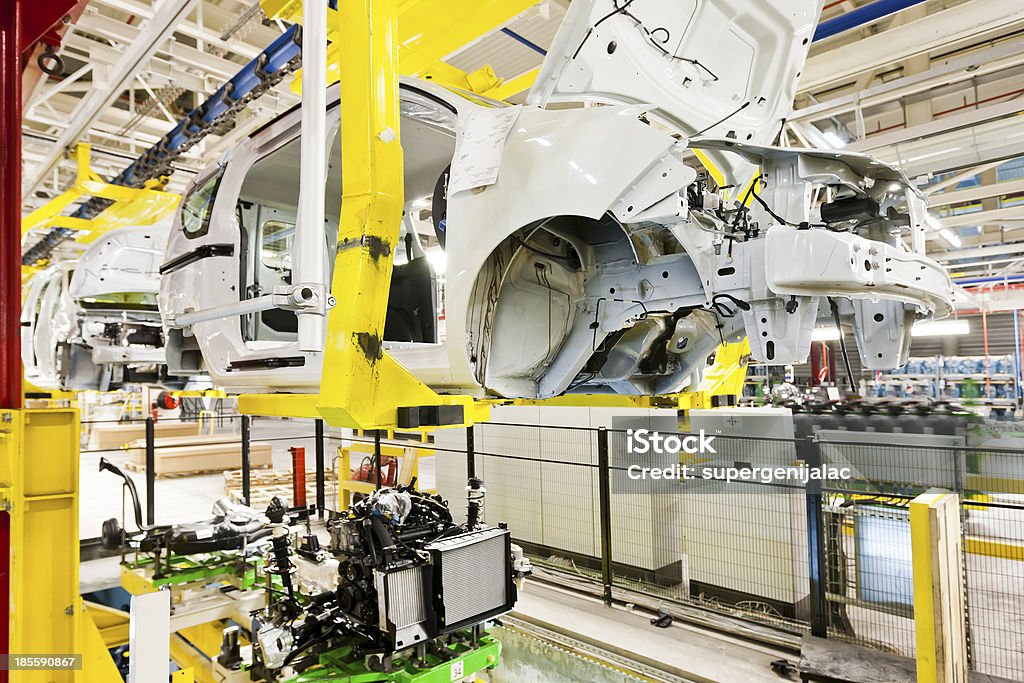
[111, 624]
[426, 34]
[40, 497]
[132, 206]
[362, 385]
[281, 405]
[187, 657]
[206, 637]
[514, 86]
[97, 664]
[939, 616]
[429, 30]
[727, 374]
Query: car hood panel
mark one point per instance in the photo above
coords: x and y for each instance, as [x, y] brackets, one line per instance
[727, 68]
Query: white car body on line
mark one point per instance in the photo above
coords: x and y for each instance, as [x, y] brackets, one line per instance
[583, 253]
[93, 323]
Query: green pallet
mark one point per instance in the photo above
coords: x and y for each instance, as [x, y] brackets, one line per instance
[470, 661]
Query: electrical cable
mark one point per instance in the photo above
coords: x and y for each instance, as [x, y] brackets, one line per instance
[541, 252]
[842, 341]
[617, 10]
[649, 34]
[724, 310]
[722, 120]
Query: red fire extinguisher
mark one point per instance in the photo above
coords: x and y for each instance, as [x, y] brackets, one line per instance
[367, 470]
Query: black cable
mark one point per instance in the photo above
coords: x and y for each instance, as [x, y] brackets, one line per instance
[743, 202]
[724, 310]
[776, 216]
[723, 119]
[771, 213]
[842, 342]
[597, 316]
[617, 10]
[541, 252]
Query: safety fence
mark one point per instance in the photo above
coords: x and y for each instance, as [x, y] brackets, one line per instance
[868, 568]
[830, 555]
[788, 552]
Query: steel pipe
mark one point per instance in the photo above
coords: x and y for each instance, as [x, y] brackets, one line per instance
[309, 265]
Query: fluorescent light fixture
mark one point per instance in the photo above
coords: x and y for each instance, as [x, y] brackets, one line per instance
[931, 154]
[952, 239]
[833, 140]
[941, 328]
[437, 258]
[830, 333]
[928, 328]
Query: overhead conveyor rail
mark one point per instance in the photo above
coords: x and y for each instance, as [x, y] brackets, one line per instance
[266, 70]
[270, 67]
[282, 58]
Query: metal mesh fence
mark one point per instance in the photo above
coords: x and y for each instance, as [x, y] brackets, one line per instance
[196, 461]
[746, 548]
[737, 547]
[869, 559]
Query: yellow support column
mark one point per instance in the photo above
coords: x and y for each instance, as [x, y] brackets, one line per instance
[939, 612]
[362, 386]
[39, 493]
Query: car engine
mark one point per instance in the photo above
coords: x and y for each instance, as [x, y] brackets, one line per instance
[403, 582]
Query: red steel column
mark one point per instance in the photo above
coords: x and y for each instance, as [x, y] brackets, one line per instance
[10, 205]
[10, 262]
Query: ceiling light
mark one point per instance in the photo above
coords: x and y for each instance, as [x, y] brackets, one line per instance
[833, 140]
[929, 155]
[952, 239]
[941, 328]
[933, 222]
[825, 334]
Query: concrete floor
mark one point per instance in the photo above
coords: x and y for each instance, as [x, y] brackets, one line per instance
[693, 653]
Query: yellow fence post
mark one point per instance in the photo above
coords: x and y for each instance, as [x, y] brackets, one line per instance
[939, 614]
[39, 490]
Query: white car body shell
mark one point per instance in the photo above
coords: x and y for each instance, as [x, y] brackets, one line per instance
[729, 68]
[68, 309]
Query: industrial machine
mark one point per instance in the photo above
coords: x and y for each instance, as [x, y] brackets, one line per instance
[93, 323]
[571, 266]
[392, 589]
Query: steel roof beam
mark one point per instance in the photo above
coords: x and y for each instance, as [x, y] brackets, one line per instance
[95, 52]
[949, 71]
[982, 251]
[169, 14]
[966, 119]
[208, 34]
[973, 194]
[970, 20]
[994, 216]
